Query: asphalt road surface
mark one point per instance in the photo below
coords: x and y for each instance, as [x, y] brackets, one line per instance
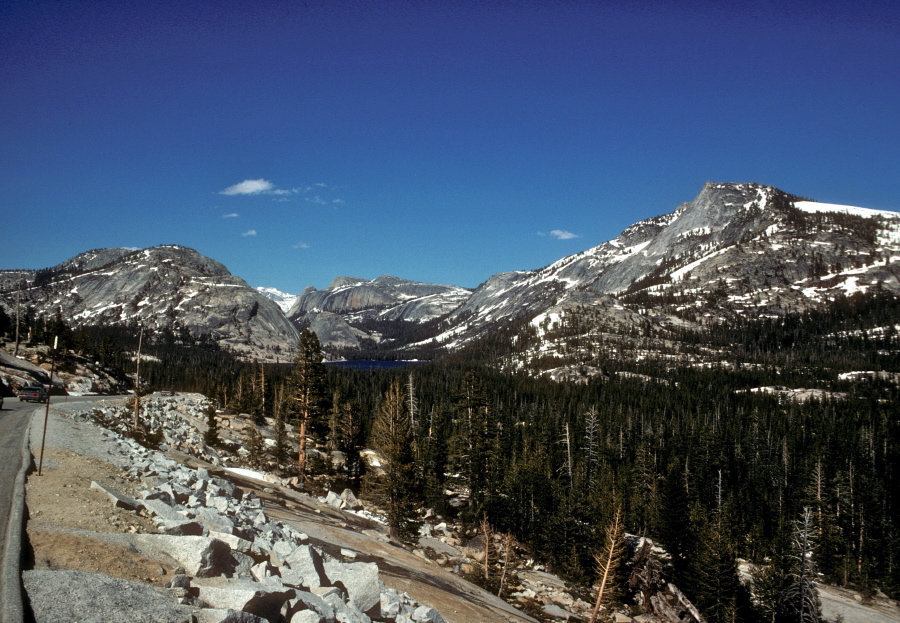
[14, 418]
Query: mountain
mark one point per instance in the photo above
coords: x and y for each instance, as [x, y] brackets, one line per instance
[284, 300]
[352, 312]
[735, 250]
[171, 287]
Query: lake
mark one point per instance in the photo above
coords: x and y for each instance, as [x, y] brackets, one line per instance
[373, 364]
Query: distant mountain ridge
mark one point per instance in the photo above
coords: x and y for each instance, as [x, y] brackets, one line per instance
[336, 312]
[284, 300]
[168, 286]
[735, 250]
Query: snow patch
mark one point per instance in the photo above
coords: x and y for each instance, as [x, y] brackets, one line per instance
[813, 206]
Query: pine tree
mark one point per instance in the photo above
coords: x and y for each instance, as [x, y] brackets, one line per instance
[211, 436]
[608, 561]
[718, 590]
[392, 432]
[768, 582]
[489, 552]
[800, 600]
[507, 561]
[476, 445]
[432, 461]
[280, 447]
[644, 492]
[351, 440]
[307, 382]
[260, 392]
[591, 440]
[255, 444]
[333, 439]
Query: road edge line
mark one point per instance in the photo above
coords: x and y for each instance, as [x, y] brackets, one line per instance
[13, 606]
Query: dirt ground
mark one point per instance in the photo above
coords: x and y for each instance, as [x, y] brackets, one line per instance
[63, 509]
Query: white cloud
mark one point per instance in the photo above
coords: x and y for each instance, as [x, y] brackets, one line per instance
[249, 232]
[562, 234]
[250, 187]
[301, 245]
[265, 187]
[231, 215]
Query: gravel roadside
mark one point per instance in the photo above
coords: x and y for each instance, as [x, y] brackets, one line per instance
[72, 527]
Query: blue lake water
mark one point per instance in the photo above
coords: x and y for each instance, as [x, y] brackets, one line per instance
[372, 364]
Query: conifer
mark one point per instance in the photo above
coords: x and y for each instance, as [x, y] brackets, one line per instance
[392, 432]
[307, 382]
[608, 561]
[211, 436]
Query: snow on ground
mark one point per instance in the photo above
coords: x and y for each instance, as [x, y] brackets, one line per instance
[250, 473]
[813, 206]
[678, 275]
[840, 604]
[377, 518]
[284, 300]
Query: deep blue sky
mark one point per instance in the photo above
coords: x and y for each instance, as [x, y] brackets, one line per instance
[436, 141]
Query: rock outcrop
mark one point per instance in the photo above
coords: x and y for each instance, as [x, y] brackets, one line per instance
[339, 313]
[167, 287]
[240, 564]
[735, 249]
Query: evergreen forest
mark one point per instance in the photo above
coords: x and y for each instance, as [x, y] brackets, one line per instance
[696, 460]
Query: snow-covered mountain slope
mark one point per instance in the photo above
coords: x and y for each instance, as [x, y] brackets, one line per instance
[382, 298]
[284, 300]
[162, 287]
[343, 313]
[736, 248]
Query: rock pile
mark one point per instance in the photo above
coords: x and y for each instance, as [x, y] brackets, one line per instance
[175, 417]
[237, 563]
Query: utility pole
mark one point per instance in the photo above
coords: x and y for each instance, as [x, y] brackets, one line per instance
[47, 410]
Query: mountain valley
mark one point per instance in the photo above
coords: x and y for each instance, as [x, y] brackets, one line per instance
[736, 250]
[697, 385]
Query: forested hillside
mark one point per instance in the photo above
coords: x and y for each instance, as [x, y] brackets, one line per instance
[714, 461]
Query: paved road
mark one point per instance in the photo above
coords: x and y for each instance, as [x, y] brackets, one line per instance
[14, 418]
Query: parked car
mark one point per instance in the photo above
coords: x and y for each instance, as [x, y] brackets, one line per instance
[35, 393]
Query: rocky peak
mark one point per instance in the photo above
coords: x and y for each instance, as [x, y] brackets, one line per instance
[343, 282]
[774, 244]
[163, 287]
[92, 260]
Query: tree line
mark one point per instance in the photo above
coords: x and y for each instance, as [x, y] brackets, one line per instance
[687, 455]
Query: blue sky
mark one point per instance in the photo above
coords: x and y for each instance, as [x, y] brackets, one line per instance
[436, 141]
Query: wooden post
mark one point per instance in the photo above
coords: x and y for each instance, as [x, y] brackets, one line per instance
[47, 409]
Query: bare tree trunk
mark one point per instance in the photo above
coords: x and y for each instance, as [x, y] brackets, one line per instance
[608, 558]
[137, 381]
[488, 535]
[301, 454]
[507, 540]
